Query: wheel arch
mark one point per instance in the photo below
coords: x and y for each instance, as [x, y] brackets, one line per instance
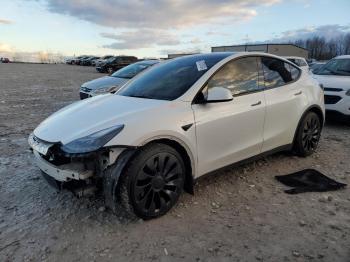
[314, 108]
[186, 155]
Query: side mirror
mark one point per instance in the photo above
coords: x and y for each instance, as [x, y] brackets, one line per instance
[218, 94]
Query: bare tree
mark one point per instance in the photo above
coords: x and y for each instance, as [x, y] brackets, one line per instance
[322, 49]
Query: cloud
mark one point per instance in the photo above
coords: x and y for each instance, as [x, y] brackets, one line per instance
[158, 13]
[5, 22]
[141, 39]
[327, 31]
[6, 48]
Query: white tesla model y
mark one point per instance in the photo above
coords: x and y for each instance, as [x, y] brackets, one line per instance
[181, 119]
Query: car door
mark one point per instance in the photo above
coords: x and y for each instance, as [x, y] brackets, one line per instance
[228, 132]
[285, 102]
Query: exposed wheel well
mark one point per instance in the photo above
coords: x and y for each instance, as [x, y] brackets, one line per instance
[189, 183]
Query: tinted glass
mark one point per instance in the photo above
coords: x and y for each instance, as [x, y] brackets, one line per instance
[295, 72]
[130, 71]
[277, 72]
[240, 76]
[302, 62]
[171, 79]
[335, 67]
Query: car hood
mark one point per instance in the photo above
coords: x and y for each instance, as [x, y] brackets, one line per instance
[91, 115]
[334, 81]
[106, 81]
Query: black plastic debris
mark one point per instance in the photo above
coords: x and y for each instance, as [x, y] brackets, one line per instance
[309, 180]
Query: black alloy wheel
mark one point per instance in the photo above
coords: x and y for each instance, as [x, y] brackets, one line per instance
[158, 184]
[151, 183]
[308, 134]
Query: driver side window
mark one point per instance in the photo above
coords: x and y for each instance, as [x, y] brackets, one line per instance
[239, 76]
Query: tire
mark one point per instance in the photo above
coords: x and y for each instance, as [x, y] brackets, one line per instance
[151, 182]
[308, 135]
[109, 70]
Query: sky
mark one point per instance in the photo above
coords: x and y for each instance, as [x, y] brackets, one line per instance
[158, 27]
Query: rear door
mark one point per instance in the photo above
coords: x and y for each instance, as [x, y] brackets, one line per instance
[285, 102]
[228, 132]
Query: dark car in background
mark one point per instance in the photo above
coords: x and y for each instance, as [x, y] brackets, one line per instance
[4, 60]
[103, 59]
[88, 61]
[115, 63]
[79, 59]
[112, 83]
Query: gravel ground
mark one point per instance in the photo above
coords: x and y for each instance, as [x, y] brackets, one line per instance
[239, 214]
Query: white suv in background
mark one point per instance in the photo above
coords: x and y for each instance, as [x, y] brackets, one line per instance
[299, 61]
[177, 121]
[335, 79]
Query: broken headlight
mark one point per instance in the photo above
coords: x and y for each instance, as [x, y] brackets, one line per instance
[93, 141]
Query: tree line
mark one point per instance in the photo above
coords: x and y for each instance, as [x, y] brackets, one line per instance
[322, 49]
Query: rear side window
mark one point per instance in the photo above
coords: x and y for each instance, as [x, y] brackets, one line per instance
[240, 76]
[295, 72]
[277, 72]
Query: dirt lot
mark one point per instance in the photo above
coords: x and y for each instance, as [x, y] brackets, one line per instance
[240, 214]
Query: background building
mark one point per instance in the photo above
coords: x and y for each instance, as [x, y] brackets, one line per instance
[276, 49]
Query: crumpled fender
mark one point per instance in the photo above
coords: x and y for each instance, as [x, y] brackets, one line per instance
[111, 177]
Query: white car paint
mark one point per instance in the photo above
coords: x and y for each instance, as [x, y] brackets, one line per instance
[337, 86]
[223, 133]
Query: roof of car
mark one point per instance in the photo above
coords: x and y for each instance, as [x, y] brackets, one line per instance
[148, 62]
[207, 55]
[294, 57]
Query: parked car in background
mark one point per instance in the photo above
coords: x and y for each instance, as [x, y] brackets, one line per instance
[69, 60]
[101, 60]
[79, 59]
[335, 79]
[88, 61]
[299, 61]
[314, 67]
[177, 121]
[115, 63]
[4, 60]
[76, 60]
[112, 83]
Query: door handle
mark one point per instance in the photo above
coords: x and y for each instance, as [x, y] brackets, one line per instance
[256, 104]
[299, 93]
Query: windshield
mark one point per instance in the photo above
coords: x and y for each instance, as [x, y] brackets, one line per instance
[130, 71]
[335, 67]
[171, 79]
[111, 59]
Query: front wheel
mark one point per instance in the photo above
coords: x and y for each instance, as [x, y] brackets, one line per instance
[110, 70]
[152, 182]
[308, 134]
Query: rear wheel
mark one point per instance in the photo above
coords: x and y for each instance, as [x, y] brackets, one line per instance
[152, 181]
[308, 134]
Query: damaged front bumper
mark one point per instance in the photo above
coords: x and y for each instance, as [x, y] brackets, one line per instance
[62, 167]
[62, 173]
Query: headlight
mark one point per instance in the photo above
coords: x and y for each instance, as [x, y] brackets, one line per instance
[104, 90]
[92, 142]
[348, 92]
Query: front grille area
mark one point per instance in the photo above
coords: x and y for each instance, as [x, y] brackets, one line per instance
[332, 89]
[83, 95]
[328, 99]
